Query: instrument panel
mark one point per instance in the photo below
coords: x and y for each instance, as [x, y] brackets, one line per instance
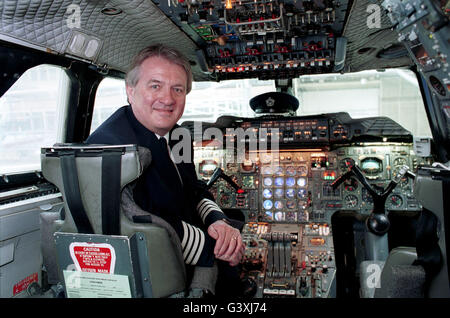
[295, 185]
[287, 200]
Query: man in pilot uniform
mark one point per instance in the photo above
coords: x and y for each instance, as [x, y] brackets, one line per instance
[156, 87]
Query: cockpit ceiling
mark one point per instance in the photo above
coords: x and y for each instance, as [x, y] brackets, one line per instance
[285, 44]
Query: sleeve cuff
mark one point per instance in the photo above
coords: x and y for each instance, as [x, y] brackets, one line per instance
[209, 211]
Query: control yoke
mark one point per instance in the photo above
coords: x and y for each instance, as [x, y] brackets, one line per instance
[377, 222]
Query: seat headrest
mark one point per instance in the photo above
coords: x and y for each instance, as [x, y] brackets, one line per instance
[88, 163]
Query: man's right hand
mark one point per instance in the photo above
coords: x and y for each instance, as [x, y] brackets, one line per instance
[229, 246]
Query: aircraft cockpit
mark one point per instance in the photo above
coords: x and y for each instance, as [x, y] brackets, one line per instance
[285, 191]
[322, 126]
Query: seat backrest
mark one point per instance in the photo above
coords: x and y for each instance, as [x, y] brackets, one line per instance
[79, 172]
[399, 277]
[84, 169]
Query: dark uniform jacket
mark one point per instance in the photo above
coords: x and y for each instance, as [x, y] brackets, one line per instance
[186, 205]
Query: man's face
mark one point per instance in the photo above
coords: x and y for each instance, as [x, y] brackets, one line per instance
[159, 96]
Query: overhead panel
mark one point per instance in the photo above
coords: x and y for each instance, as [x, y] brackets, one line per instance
[265, 39]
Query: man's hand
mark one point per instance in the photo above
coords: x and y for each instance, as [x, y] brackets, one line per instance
[229, 246]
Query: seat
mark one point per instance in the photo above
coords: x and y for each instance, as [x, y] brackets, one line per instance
[102, 203]
[396, 277]
[399, 277]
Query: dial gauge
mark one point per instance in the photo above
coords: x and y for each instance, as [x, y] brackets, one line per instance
[291, 171]
[268, 204]
[400, 161]
[279, 193]
[290, 193]
[267, 182]
[351, 201]
[290, 182]
[279, 181]
[302, 170]
[301, 182]
[267, 193]
[301, 193]
[395, 201]
[266, 170]
[278, 205]
[351, 184]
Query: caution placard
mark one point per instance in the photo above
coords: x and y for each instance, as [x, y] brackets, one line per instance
[93, 257]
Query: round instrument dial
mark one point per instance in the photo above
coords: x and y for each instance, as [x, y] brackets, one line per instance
[351, 184]
[290, 182]
[267, 170]
[290, 204]
[279, 181]
[301, 182]
[279, 193]
[302, 170]
[267, 193]
[290, 193]
[267, 181]
[268, 204]
[301, 193]
[278, 205]
[400, 161]
[291, 171]
[351, 201]
[395, 201]
[278, 171]
[225, 200]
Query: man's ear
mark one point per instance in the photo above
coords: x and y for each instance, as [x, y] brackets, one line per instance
[130, 93]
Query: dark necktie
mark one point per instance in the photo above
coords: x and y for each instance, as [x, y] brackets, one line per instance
[166, 154]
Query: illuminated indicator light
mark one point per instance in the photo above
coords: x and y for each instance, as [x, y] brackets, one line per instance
[329, 175]
[240, 191]
[228, 4]
[317, 241]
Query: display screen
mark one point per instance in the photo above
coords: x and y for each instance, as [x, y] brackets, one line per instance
[207, 167]
[267, 182]
[279, 181]
[301, 182]
[371, 165]
[267, 193]
[290, 182]
[279, 193]
[290, 193]
[268, 204]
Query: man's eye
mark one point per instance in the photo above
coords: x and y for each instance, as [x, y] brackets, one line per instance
[179, 90]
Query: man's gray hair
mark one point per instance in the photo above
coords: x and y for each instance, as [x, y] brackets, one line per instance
[159, 50]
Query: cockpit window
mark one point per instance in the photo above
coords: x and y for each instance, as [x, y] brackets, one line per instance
[31, 117]
[209, 100]
[110, 96]
[393, 93]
